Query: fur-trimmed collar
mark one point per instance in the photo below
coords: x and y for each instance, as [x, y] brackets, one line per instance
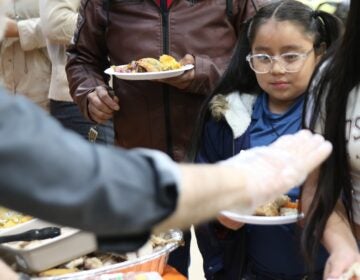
[235, 108]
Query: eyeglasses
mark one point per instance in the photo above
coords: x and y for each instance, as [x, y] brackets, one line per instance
[291, 62]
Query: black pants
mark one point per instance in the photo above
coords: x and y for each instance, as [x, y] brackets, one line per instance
[252, 274]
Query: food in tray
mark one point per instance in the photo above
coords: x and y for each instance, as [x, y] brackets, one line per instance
[282, 206]
[148, 64]
[100, 259]
[90, 261]
[57, 272]
[10, 218]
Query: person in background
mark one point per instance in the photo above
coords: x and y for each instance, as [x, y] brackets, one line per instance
[25, 67]
[259, 99]
[153, 114]
[58, 22]
[332, 109]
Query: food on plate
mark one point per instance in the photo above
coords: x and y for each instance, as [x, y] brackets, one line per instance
[352, 273]
[281, 206]
[148, 64]
[169, 63]
[10, 218]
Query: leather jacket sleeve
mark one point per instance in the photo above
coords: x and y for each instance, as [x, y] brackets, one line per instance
[207, 73]
[208, 70]
[87, 54]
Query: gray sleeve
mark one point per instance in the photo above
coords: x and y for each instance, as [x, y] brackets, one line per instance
[55, 175]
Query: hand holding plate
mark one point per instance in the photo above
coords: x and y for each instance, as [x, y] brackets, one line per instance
[183, 81]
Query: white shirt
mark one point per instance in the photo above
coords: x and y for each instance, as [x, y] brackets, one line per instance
[353, 146]
[58, 24]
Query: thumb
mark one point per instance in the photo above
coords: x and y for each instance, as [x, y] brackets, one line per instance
[187, 59]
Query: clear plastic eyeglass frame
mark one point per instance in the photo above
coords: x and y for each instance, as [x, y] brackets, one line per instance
[291, 62]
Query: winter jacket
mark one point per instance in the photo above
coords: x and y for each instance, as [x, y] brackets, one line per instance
[224, 135]
[227, 131]
[25, 67]
[225, 251]
[114, 32]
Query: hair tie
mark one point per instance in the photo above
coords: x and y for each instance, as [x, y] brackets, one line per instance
[315, 14]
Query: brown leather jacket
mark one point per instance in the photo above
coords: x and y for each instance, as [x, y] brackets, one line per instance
[114, 32]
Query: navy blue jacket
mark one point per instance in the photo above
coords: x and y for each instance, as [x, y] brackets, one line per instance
[225, 251]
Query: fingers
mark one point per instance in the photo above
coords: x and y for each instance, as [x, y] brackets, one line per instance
[318, 155]
[181, 82]
[101, 105]
[273, 170]
[308, 152]
[187, 59]
[231, 224]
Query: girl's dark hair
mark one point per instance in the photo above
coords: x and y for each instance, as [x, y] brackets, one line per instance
[339, 75]
[324, 27]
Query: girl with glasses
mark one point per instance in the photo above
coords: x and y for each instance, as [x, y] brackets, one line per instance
[259, 99]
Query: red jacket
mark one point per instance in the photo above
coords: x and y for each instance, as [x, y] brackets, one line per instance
[114, 32]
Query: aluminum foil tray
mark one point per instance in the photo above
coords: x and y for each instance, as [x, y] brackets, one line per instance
[155, 261]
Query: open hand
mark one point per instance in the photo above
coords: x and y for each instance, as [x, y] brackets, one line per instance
[275, 169]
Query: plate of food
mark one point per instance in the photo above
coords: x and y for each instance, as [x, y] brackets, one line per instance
[149, 69]
[278, 212]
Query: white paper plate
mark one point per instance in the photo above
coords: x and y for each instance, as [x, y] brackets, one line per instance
[149, 75]
[261, 220]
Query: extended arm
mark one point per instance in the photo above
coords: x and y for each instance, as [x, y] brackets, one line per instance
[94, 188]
[46, 170]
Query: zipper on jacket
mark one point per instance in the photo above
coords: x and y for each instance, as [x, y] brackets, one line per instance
[165, 26]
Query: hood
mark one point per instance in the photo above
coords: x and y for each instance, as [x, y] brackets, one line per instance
[235, 109]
